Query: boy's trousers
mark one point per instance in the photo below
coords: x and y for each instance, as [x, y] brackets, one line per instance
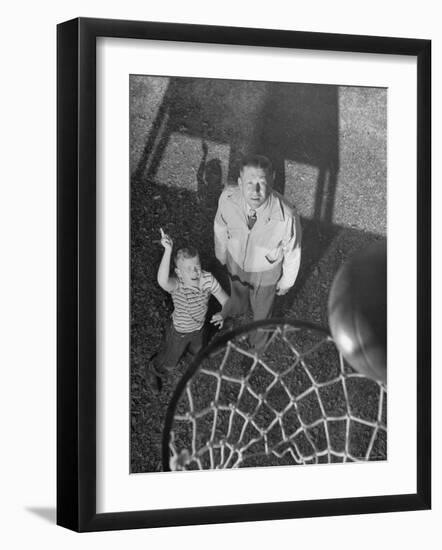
[174, 345]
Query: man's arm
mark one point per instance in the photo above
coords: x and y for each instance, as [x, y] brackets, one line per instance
[292, 257]
[166, 282]
[220, 231]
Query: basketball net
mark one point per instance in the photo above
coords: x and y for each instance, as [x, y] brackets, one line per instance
[294, 402]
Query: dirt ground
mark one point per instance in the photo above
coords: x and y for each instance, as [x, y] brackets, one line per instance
[328, 146]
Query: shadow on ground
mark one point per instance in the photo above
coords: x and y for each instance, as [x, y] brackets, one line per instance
[48, 514]
[290, 123]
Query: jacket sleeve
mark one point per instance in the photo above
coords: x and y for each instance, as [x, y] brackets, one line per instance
[220, 231]
[292, 253]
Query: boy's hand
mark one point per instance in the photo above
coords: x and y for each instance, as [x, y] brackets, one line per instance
[217, 320]
[166, 241]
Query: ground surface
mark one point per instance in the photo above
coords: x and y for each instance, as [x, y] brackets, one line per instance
[329, 148]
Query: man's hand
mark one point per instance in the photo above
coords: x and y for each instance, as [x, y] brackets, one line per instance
[166, 241]
[217, 320]
[281, 290]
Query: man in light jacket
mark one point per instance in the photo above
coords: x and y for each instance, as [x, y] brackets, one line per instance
[258, 239]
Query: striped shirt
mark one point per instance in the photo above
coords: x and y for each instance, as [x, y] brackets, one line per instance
[190, 303]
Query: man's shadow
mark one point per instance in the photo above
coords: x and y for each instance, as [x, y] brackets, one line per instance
[209, 180]
[299, 125]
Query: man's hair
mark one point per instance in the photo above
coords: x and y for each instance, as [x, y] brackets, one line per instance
[257, 161]
[184, 253]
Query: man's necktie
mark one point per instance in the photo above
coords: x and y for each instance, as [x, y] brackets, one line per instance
[251, 219]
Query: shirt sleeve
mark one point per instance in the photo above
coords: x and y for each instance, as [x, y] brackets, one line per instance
[292, 253]
[220, 231]
[176, 284]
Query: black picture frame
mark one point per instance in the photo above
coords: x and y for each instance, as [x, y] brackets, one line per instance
[77, 288]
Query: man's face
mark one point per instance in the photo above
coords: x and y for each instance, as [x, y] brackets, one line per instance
[255, 184]
[189, 269]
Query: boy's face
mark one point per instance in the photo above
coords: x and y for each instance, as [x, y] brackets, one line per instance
[255, 184]
[189, 269]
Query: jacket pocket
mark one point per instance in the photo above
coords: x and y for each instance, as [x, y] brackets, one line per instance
[234, 233]
[274, 254]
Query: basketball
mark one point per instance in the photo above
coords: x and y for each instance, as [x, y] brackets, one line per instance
[357, 311]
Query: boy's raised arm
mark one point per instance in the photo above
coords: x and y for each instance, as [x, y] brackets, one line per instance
[164, 279]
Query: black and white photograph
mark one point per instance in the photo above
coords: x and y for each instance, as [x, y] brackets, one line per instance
[258, 273]
[221, 249]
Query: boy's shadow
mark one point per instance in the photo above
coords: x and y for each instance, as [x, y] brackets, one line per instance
[221, 111]
[209, 180]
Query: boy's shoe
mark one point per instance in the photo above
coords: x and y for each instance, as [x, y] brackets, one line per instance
[152, 378]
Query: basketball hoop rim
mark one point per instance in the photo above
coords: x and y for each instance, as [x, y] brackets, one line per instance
[219, 342]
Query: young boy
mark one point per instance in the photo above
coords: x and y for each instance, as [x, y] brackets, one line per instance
[190, 290]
